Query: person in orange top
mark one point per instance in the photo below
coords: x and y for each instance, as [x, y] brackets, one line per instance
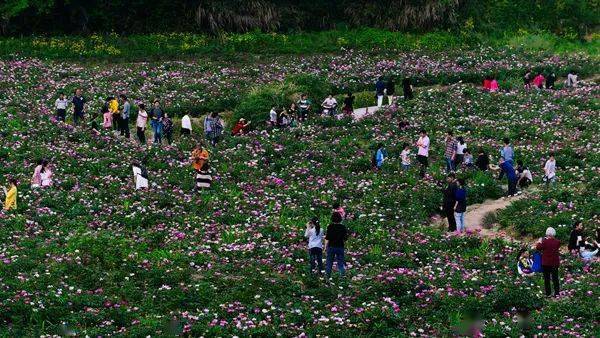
[199, 157]
[11, 195]
[240, 127]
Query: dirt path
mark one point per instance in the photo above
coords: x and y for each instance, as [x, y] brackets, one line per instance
[476, 213]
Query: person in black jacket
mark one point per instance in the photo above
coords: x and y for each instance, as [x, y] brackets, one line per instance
[449, 201]
[550, 80]
[483, 160]
[407, 89]
[576, 237]
[336, 236]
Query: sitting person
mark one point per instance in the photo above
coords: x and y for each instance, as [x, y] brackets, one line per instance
[46, 175]
[140, 176]
[284, 119]
[576, 237]
[525, 263]
[10, 201]
[494, 86]
[588, 250]
[203, 177]
[524, 175]
[240, 128]
[468, 159]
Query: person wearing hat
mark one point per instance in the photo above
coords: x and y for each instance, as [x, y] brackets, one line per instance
[240, 127]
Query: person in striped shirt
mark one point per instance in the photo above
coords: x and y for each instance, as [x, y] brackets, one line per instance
[203, 178]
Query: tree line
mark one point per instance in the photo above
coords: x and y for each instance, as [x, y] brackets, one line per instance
[575, 18]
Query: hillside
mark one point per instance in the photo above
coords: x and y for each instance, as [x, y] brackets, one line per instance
[92, 256]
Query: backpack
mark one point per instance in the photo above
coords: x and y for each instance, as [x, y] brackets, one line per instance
[537, 262]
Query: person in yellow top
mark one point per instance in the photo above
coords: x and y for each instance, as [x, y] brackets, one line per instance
[11, 195]
[113, 108]
[199, 157]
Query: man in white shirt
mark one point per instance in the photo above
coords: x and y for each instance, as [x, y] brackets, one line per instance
[423, 151]
[61, 107]
[329, 104]
[186, 125]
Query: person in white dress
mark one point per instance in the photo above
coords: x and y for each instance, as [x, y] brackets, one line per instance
[140, 176]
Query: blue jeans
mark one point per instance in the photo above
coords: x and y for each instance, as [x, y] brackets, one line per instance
[460, 221]
[338, 255]
[316, 259]
[405, 167]
[449, 164]
[157, 130]
[502, 171]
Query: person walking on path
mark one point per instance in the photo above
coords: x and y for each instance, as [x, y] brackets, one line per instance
[449, 201]
[314, 234]
[450, 151]
[423, 151]
[390, 91]
[10, 201]
[336, 236]
[549, 246]
[379, 91]
[141, 123]
[460, 205]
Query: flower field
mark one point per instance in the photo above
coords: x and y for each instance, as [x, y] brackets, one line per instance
[92, 256]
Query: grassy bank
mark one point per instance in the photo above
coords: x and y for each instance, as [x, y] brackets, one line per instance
[184, 45]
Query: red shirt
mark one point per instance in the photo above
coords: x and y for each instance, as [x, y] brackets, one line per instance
[238, 129]
[549, 248]
[487, 84]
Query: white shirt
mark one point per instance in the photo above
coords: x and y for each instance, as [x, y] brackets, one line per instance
[330, 102]
[314, 240]
[571, 80]
[142, 118]
[550, 168]
[186, 122]
[527, 174]
[460, 148]
[404, 155]
[423, 144]
[61, 104]
[273, 115]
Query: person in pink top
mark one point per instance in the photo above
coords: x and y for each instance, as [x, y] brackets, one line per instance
[36, 179]
[494, 85]
[539, 80]
[339, 209]
[423, 151]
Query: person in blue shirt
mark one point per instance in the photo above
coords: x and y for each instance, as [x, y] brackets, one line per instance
[460, 205]
[380, 156]
[511, 175]
[507, 153]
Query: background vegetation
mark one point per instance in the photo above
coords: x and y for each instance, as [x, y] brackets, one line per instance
[567, 18]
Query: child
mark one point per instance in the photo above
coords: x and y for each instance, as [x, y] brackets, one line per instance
[550, 170]
[468, 159]
[203, 177]
[337, 208]
[525, 177]
[404, 155]
[380, 156]
[11, 195]
[61, 107]
[314, 233]
[107, 116]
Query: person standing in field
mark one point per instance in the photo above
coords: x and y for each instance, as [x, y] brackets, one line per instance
[125, 112]
[390, 90]
[314, 234]
[405, 156]
[336, 236]
[449, 201]
[216, 128]
[348, 108]
[450, 151]
[423, 151]
[460, 152]
[507, 153]
[168, 128]
[511, 176]
[106, 115]
[207, 125]
[550, 170]
[186, 125]
[549, 246]
[156, 117]
[113, 107]
[141, 123]
[78, 106]
[379, 91]
[550, 80]
[61, 107]
[304, 106]
[460, 205]
[407, 89]
[10, 193]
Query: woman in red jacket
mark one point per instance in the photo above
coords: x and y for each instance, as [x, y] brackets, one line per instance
[550, 259]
